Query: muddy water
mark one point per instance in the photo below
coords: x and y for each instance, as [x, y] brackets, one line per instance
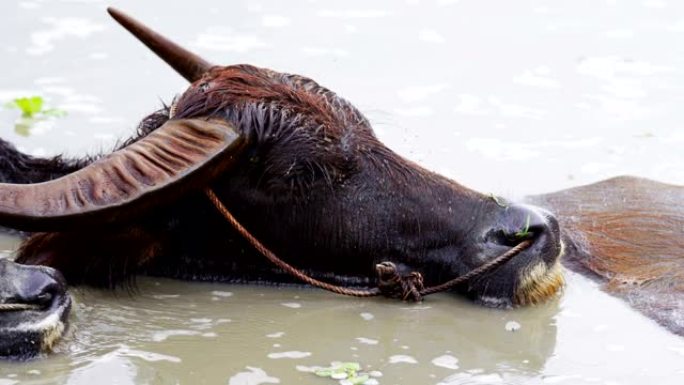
[508, 97]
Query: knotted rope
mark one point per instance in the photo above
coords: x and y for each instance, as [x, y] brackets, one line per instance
[390, 283]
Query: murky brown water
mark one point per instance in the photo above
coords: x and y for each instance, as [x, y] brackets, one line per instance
[509, 97]
[177, 332]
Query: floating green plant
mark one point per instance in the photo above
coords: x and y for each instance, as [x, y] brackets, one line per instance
[32, 110]
[347, 373]
[33, 106]
[525, 232]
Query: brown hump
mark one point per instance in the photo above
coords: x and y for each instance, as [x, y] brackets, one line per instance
[628, 232]
[180, 155]
[186, 63]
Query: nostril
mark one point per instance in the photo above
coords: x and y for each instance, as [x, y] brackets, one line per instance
[40, 301]
[41, 288]
[527, 232]
[507, 237]
[518, 223]
[46, 297]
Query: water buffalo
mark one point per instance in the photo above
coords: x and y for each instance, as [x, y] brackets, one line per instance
[297, 165]
[628, 233]
[301, 169]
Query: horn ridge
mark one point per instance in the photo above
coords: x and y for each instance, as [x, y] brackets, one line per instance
[157, 170]
[186, 63]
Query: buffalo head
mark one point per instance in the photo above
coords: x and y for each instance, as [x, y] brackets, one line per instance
[33, 309]
[301, 168]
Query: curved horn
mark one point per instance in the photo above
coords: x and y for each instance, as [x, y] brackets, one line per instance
[186, 63]
[161, 167]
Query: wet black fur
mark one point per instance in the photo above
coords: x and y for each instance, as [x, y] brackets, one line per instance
[315, 185]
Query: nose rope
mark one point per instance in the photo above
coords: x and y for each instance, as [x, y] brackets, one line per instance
[390, 283]
[18, 307]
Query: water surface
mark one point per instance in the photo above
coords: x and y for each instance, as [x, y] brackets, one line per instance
[507, 97]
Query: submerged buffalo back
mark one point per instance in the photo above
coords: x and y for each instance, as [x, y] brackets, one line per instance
[630, 233]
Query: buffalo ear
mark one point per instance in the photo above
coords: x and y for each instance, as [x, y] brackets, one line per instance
[179, 156]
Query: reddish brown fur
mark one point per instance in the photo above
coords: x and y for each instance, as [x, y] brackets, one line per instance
[629, 232]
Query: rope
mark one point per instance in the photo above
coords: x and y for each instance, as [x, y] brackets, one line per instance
[18, 307]
[391, 283]
[493, 264]
[280, 263]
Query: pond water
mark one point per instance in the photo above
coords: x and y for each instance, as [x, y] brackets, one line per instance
[509, 97]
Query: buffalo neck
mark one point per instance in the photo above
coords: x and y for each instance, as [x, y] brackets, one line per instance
[388, 210]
